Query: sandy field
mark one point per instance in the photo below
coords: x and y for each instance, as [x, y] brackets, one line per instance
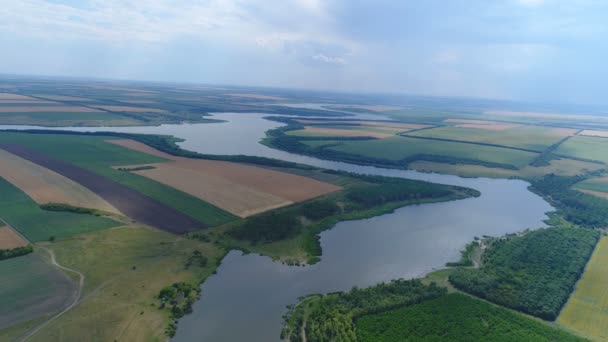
[132, 109]
[26, 102]
[50, 109]
[594, 193]
[45, 186]
[593, 133]
[9, 96]
[256, 96]
[544, 115]
[9, 239]
[209, 180]
[346, 132]
[373, 108]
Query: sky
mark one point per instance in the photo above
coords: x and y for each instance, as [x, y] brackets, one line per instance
[534, 50]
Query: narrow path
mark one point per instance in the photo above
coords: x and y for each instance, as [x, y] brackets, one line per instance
[72, 305]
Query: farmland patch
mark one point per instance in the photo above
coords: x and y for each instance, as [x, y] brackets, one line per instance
[9, 239]
[132, 109]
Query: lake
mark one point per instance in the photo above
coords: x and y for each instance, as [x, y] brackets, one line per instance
[247, 297]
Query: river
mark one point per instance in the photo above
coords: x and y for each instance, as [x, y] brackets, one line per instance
[245, 300]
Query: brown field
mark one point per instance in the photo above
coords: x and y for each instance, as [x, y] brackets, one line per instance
[544, 115]
[33, 109]
[593, 133]
[250, 189]
[594, 193]
[9, 239]
[347, 132]
[563, 132]
[10, 96]
[256, 96]
[400, 125]
[64, 98]
[132, 109]
[46, 186]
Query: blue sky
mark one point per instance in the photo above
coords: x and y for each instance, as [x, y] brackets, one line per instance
[539, 50]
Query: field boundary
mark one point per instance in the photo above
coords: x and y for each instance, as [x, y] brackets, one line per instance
[471, 143]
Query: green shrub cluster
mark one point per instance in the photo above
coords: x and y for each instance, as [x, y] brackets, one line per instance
[331, 317]
[455, 317]
[533, 273]
[69, 208]
[15, 252]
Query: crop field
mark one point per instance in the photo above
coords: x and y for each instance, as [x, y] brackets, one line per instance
[534, 138]
[46, 186]
[130, 202]
[239, 189]
[9, 96]
[9, 239]
[340, 132]
[594, 186]
[49, 109]
[587, 309]
[482, 124]
[31, 288]
[64, 98]
[400, 148]
[592, 148]
[96, 155]
[455, 317]
[256, 96]
[23, 214]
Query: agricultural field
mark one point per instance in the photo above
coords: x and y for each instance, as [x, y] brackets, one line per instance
[345, 128]
[593, 133]
[46, 186]
[597, 187]
[533, 138]
[9, 239]
[239, 189]
[22, 296]
[404, 148]
[26, 216]
[590, 148]
[587, 309]
[94, 154]
[455, 317]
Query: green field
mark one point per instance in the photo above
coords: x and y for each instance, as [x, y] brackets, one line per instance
[528, 137]
[30, 288]
[95, 154]
[594, 184]
[592, 148]
[25, 215]
[59, 119]
[455, 317]
[401, 148]
[587, 309]
[533, 273]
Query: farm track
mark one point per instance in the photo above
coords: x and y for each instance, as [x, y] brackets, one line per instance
[133, 204]
[76, 300]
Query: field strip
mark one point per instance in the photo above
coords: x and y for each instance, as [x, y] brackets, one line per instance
[77, 295]
[49, 109]
[471, 143]
[130, 202]
[10, 239]
[46, 186]
[284, 185]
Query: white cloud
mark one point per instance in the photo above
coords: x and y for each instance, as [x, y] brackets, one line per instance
[329, 59]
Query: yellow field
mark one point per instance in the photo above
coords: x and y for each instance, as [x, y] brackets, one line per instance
[587, 309]
[46, 186]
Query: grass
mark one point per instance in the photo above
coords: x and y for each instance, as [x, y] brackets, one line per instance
[587, 309]
[592, 148]
[455, 317]
[25, 215]
[594, 184]
[400, 148]
[31, 288]
[95, 154]
[529, 137]
[125, 269]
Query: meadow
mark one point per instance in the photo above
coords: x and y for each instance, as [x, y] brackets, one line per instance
[587, 309]
[594, 186]
[22, 296]
[455, 317]
[591, 148]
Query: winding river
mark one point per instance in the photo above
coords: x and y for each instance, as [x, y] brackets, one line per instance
[245, 300]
